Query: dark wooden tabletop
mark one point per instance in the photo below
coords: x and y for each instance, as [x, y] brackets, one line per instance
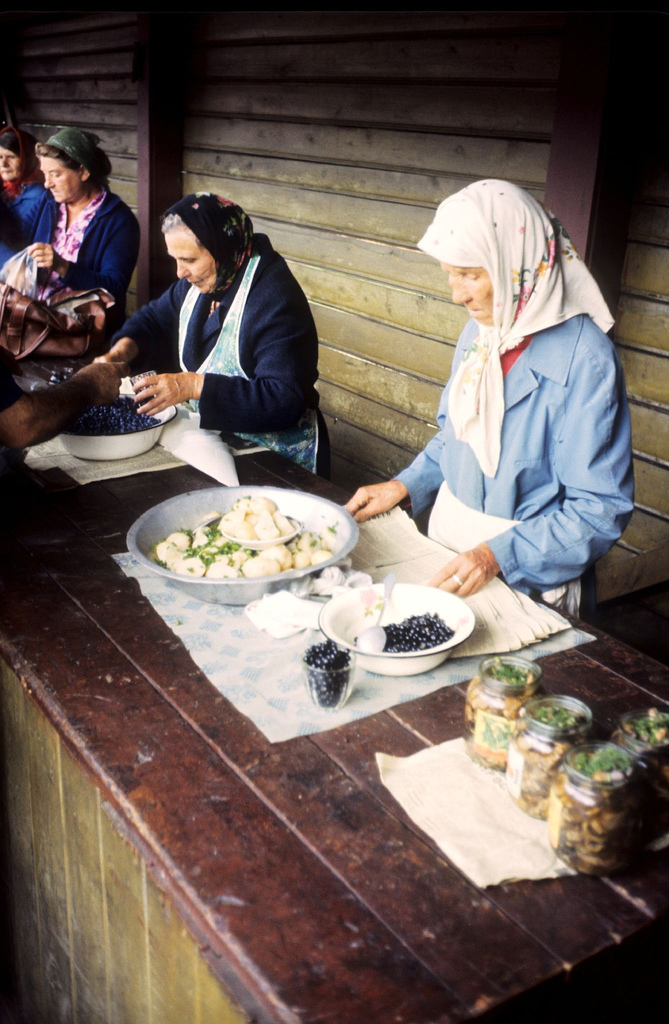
[328, 904]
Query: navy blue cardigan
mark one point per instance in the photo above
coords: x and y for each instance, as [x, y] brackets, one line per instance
[278, 348]
[108, 252]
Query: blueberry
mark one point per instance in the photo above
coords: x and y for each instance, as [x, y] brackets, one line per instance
[121, 417]
[417, 633]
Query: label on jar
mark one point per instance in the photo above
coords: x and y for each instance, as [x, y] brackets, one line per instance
[514, 771]
[492, 735]
[554, 819]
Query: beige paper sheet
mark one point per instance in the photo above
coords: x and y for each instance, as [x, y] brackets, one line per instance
[506, 620]
[468, 812]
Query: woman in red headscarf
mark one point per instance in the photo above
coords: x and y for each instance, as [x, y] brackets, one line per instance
[21, 185]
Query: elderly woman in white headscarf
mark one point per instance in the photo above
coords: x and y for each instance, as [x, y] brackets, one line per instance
[531, 471]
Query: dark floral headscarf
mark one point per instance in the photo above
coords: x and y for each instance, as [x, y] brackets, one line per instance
[23, 145]
[222, 228]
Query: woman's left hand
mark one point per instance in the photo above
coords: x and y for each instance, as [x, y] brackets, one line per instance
[467, 573]
[153, 394]
[46, 256]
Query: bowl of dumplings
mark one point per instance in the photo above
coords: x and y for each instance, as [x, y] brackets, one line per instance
[232, 545]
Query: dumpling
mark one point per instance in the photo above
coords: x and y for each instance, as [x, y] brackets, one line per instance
[221, 570]
[265, 527]
[180, 540]
[283, 524]
[320, 556]
[280, 554]
[189, 566]
[259, 505]
[260, 566]
[328, 539]
[167, 552]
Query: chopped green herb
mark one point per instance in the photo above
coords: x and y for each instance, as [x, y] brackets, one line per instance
[604, 764]
[560, 718]
[510, 674]
[651, 728]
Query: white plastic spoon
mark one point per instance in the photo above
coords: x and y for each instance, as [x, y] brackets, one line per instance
[373, 639]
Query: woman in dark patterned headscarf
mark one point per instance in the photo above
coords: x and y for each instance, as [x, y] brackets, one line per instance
[235, 333]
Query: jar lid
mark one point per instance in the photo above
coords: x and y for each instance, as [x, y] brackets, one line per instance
[557, 715]
[601, 764]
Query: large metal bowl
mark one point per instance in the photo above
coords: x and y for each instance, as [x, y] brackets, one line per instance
[187, 510]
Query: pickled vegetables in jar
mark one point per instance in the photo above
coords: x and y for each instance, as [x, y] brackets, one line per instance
[547, 728]
[595, 808]
[494, 700]
[646, 734]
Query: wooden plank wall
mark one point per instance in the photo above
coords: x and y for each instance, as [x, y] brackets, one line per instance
[340, 133]
[77, 71]
[642, 340]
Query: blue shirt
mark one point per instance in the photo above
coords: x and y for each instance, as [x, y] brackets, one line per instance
[565, 467]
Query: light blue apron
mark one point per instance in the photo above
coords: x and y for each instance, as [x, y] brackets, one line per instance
[299, 443]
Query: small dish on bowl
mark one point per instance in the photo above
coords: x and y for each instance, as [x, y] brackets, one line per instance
[264, 545]
[345, 616]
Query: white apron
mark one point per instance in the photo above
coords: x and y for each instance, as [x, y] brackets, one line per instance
[300, 442]
[461, 528]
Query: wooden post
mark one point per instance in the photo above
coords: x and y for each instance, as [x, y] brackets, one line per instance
[593, 159]
[162, 52]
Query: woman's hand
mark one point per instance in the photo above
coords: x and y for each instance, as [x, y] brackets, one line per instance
[376, 498]
[46, 256]
[153, 394]
[467, 573]
[122, 351]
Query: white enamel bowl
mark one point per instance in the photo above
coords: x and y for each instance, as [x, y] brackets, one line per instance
[117, 446]
[345, 616]
[187, 510]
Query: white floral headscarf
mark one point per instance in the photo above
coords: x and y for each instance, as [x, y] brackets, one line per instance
[538, 281]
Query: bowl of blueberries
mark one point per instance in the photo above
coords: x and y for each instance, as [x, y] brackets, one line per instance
[115, 431]
[423, 625]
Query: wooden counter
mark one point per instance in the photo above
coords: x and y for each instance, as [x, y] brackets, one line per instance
[165, 863]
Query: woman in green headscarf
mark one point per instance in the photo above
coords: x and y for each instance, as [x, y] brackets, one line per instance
[84, 236]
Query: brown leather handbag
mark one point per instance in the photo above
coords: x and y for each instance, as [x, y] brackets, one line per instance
[70, 325]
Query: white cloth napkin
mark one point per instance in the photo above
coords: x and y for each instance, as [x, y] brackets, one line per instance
[286, 612]
[282, 614]
[203, 449]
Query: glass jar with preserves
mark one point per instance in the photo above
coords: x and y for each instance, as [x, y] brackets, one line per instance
[646, 734]
[494, 699]
[595, 808]
[547, 728]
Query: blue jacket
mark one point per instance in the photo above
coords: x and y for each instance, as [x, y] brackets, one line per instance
[108, 252]
[565, 468]
[22, 212]
[26, 207]
[278, 348]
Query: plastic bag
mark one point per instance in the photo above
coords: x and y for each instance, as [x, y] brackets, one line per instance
[20, 272]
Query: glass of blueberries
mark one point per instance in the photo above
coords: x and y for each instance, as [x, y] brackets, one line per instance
[328, 674]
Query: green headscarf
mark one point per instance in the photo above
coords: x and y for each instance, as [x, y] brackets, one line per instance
[78, 144]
